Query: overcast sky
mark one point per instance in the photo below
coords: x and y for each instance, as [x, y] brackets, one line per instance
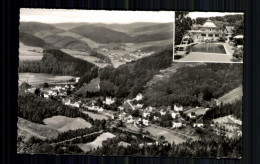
[94, 16]
[195, 15]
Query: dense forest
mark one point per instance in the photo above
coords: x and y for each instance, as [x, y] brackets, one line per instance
[206, 147]
[234, 109]
[35, 108]
[129, 79]
[57, 62]
[195, 85]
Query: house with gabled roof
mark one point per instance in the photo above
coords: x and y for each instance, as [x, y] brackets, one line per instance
[199, 123]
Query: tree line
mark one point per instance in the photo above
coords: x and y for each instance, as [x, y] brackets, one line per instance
[211, 147]
[36, 109]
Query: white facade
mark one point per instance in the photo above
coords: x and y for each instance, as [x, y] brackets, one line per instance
[199, 125]
[175, 115]
[178, 108]
[146, 114]
[176, 124]
[109, 101]
[146, 122]
[208, 31]
[139, 97]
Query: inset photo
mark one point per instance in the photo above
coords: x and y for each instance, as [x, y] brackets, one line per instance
[209, 37]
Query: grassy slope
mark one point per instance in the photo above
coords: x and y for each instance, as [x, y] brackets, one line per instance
[232, 96]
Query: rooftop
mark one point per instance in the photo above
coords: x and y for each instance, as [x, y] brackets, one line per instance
[209, 23]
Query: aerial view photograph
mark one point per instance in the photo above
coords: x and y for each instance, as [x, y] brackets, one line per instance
[209, 37]
[95, 82]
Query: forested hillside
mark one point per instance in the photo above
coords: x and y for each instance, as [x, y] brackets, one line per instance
[195, 85]
[31, 40]
[57, 62]
[129, 79]
[34, 27]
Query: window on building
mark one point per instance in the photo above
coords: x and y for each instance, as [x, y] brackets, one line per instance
[216, 35]
[210, 29]
[203, 34]
[210, 35]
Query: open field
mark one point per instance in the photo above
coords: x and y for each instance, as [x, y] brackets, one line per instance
[84, 56]
[198, 111]
[27, 129]
[38, 78]
[117, 63]
[232, 96]
[131, 127]
[166, 73]
[169, 135]
[97, 143]
[29, 52]
[63, 124]
[96, 116]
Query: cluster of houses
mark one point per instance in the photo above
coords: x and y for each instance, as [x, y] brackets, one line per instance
[90, 106]
[56, 91]
[125, 58]
[176, 113]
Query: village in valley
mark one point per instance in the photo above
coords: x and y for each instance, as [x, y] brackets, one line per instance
[131, 115]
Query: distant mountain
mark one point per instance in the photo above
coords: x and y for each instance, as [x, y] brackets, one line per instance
[101, 34]
[152, 37]
[67, 42]
[34, 27]
[68, 26]
[43, 34]
[31, 40]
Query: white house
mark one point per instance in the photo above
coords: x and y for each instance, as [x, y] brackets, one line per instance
[175, 115]
[77, 79]
[192, 115]
[129, 119]
[149, 108]
[121, 108]
[155, 118]
[146, 114]
[146, 122]
[199, 123]
[76, 104]
[163, 112]
[139, 97]
[208, 31]
[139, 106]
[45, 95]
[176, 124]
[109, 100]
[178, 108]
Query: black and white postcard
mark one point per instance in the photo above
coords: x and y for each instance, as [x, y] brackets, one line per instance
[110, 83]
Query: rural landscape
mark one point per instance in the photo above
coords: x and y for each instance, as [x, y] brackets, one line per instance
[113, 89]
